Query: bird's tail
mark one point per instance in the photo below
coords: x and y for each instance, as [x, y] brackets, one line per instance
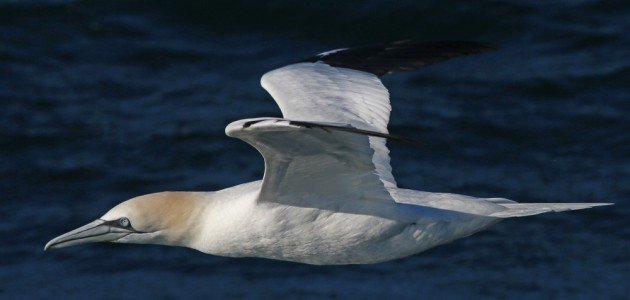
[529, 209]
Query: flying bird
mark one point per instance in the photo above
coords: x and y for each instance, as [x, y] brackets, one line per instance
[327, 196]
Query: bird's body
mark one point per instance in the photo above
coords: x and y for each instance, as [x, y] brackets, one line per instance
[328, 195]
[232, 223]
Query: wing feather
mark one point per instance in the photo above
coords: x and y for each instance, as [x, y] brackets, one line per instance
[312, 162]
[342, 87]
[317, 92]
[406, 55]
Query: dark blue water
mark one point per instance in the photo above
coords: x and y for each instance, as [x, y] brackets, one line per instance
[101, 101]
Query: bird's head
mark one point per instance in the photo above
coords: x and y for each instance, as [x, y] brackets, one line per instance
[162, 218]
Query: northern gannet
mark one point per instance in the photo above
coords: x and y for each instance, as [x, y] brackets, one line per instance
[328, 195]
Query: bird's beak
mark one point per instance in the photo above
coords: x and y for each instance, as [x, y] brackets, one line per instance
[97, 231]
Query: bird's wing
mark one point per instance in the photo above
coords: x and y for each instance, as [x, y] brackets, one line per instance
[317, 92]
[343, 86]
[311, 161]
[336, 111]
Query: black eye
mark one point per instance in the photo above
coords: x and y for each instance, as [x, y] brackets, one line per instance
[124, 222]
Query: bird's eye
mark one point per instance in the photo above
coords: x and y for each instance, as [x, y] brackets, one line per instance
[124, 222]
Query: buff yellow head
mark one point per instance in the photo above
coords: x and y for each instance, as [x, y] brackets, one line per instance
[161, 218]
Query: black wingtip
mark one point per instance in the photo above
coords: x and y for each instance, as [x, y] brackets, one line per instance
[399, 55]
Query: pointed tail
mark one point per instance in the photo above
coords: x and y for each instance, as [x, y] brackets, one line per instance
[529, 209]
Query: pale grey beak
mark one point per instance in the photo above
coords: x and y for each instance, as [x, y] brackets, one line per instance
[97, 231]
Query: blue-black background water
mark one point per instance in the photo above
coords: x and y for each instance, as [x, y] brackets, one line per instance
[101, 101]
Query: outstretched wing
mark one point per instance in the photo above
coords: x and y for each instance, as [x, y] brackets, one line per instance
[313, 161]
[331, 144]
[342, 86]
[317, 92]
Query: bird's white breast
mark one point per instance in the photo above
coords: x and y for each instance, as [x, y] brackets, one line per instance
[242, 227]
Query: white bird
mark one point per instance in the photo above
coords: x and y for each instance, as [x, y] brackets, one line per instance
[328, 195]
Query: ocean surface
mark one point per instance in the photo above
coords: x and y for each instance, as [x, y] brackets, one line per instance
[101, 101]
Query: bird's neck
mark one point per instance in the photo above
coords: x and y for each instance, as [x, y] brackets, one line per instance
[211, 222]
[223, 224]
[181, 214]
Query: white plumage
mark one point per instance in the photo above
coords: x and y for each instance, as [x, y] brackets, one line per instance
[320, 93]
[328, 195]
